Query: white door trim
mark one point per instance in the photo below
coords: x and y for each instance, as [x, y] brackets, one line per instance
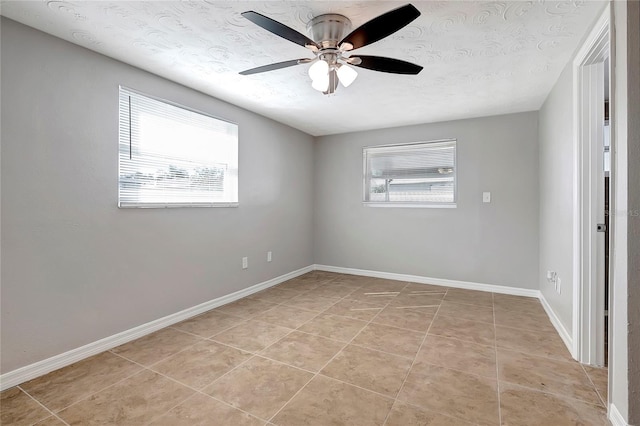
[588, 290]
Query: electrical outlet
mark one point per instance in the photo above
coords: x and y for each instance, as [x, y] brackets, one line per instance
[245, 262]
[268, 256]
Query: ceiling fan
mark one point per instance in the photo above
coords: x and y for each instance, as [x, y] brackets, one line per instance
[332, 47]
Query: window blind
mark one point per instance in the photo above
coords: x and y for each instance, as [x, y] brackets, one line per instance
[417, 173]
[170, 156]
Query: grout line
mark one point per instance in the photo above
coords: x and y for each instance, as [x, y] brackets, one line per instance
[406, 376]
[328, 362]
[43, 406]
[556, 395]
[196, 391]
[495, 349]
[184, 348]
[594, 385]
[89, 395]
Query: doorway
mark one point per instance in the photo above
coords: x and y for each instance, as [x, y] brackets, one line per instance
[590, 321]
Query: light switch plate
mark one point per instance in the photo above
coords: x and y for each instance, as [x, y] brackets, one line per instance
[486, 197]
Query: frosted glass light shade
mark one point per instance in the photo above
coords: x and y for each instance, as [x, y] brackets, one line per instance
[321, 84]
[347, 75]
[318, 70]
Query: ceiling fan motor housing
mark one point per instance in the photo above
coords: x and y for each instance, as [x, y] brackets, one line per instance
[327, 30]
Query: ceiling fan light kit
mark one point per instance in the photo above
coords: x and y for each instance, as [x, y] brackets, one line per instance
[332, 47]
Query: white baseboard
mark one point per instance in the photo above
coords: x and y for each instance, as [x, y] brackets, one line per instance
[566, 337]
[434, 281]
[615, 417]
[40, 368]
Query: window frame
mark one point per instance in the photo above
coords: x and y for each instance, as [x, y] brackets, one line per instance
[411, 204]
[169, 205]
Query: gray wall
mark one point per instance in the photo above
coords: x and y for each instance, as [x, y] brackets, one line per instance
[555, 130]
[494, 243]
[75, 268]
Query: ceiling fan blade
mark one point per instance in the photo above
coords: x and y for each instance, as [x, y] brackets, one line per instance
[279, 29]
[380, 27]
[379, 63]
[276, 66]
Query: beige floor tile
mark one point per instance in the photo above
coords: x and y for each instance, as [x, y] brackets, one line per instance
[50, 421]
[381, 284]
[458, 355]
[567, 379]
[274, 295]
[424, 288]
[354, 309]
[463, 329]
[334, 327]
[600, 378]
[376, 298]
[409, 415]
[390, 339]
[156, 346]
[418, 319]
[517, 303]
[208, 324]
[202, 410]
[286, 316]
[526, 407]
[353, 281]
[252, 336]
[465, 396]
[201, 364]
[332, 291]
[245, 308]
[466, 311]
[325, 401]
[538, 321]
[312, 303]
[18, 409]
[70, 384]
[417, 300]
[133, 401]
[259, 386]
[303, 350]
[298, 285]
[322, 275]
[319, 277]
[547, 344]
[377, 371]
[470, 297]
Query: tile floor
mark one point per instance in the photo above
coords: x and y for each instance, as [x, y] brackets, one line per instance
[331, 349]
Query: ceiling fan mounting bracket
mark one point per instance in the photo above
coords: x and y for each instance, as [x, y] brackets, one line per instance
[327, 30]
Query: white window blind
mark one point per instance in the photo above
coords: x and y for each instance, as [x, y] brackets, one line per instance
[416, 174]
[170, 156]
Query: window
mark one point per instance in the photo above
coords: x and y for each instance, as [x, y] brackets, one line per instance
[411, 175]
[174, 157]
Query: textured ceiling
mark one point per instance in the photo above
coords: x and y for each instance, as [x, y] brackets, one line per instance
[480, 57]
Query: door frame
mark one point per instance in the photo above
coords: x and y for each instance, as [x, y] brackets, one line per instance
[588, 289]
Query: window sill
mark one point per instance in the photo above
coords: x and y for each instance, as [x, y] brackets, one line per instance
[412, 205]
[173, 205]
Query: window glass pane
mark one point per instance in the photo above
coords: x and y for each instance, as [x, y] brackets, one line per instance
[174, 156]
[420, 173]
